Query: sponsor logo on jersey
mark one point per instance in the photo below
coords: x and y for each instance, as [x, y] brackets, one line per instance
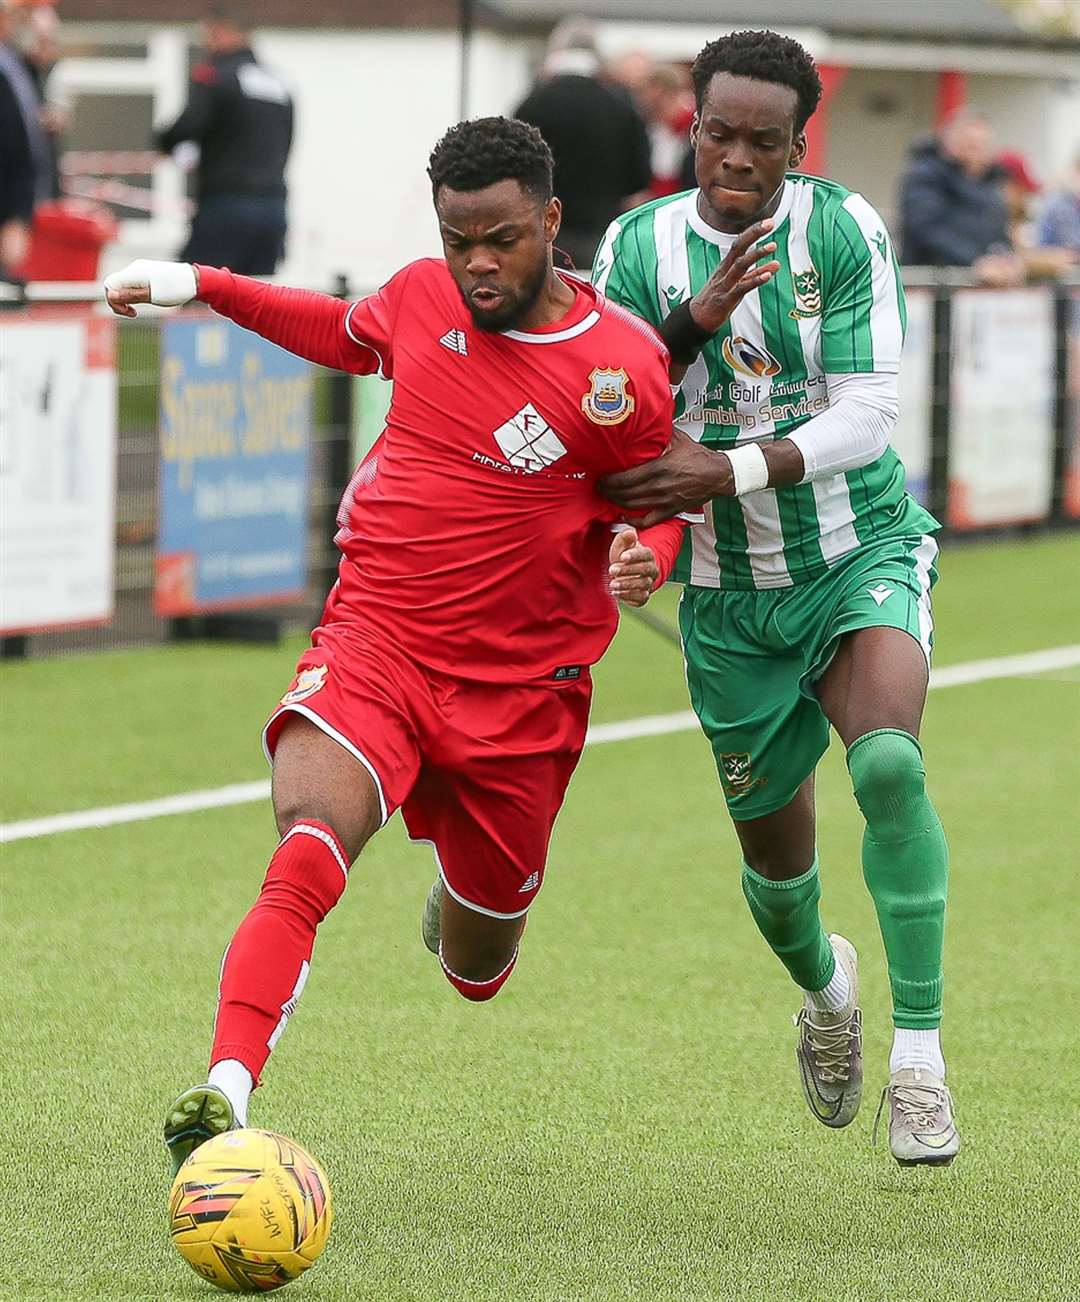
[881, 593]
[749, 359]
[881, 244]
[607, 402]
[530, 883]
[567, 673]
[807, 293]
[308, 682]
[528, 442]
[457, 343]
[737, 774]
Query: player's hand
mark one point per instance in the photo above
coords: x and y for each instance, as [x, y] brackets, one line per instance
[166, 284]
[633, 569]
[741, 272]
[681, 480]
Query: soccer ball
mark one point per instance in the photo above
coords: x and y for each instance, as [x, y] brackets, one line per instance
[250, 1210]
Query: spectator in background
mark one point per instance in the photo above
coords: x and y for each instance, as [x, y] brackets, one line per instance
[598, 140]
[1020, 188]
[24, 154]
[627, 72]
[665, 98]
[40, 47]
[241, 116]
[1059, 225]
[952, 209]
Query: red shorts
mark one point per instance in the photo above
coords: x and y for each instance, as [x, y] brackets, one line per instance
[477, 769]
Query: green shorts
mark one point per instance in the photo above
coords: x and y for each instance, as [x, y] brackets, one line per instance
[752, 659]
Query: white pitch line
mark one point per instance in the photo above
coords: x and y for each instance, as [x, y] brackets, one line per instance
[1032, 662]
[188, 802]
[649, 725]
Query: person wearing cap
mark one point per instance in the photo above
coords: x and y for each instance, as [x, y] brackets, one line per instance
[1020, 187]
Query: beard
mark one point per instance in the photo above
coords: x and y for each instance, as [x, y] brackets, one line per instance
[514, 306]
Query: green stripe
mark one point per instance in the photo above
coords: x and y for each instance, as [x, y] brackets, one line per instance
[856, 299]
[642, 258]
[732, 544]
[874, 490]
[901, 297]
[680, 571]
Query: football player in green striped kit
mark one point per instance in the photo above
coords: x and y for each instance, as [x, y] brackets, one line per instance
[807, 598]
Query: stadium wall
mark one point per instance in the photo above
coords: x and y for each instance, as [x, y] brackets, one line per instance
[370, 107]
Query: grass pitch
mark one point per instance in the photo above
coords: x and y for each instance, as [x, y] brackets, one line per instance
[624, 1121]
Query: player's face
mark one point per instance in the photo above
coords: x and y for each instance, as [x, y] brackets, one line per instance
[744, 141]
[497, 243]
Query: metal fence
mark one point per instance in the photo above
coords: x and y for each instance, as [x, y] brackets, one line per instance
[934, 438]
[138, 378]
[1020, 347]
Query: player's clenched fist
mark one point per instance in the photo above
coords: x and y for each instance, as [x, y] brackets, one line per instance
[165, 284]
[632, 568]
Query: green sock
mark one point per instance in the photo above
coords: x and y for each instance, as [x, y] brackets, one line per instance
[906, 867]
[786, 914]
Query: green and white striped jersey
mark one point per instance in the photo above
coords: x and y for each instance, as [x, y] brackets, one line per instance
[835, 307]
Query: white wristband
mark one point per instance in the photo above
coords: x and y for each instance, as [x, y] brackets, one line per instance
[171, 284]
[749, 468]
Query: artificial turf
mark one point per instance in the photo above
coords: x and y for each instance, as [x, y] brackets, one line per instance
[624, 1121]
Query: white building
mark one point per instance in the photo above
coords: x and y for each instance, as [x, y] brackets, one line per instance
[373, 99]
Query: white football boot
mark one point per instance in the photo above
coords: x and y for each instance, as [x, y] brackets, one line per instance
[922, 1129]
[829, 1049]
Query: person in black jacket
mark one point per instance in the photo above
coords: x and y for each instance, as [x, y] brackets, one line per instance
[599, 142]
[23, 152]
[241, 116]
[953, 210]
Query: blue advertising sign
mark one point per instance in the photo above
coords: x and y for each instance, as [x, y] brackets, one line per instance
[234, 465]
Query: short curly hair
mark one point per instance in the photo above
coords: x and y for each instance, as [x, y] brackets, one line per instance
[764, 56]
[476, 154]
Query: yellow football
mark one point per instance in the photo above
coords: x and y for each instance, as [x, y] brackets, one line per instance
[250, 1210]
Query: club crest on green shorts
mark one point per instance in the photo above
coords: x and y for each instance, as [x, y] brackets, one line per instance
[737, 774]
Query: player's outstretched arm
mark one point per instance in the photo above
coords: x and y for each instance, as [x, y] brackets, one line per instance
[311, 325]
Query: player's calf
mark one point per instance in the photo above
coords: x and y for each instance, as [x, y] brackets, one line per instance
[906, 867]
[478, 991]
[477, 952]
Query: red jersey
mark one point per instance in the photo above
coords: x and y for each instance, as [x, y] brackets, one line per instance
[473, 535]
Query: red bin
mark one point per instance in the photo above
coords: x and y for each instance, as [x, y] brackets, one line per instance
[66, 240]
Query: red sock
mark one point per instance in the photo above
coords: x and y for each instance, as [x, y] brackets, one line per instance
[478, 991]
[266, 964]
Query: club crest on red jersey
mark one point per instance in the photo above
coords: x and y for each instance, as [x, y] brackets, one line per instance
[607, 402]
[308, 682]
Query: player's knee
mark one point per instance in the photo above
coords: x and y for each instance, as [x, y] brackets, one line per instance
[889, 778]
[478, 976]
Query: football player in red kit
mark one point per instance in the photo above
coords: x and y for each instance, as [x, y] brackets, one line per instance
[449, 677]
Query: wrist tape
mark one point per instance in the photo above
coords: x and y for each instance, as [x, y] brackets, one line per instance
[683, 336]
[171, 284]
[749, 468]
